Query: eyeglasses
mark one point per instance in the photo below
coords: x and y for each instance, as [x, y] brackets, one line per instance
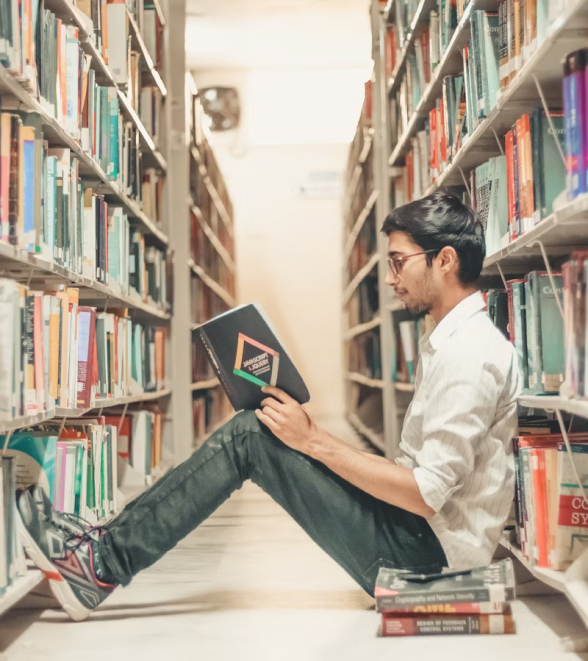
[396, 263]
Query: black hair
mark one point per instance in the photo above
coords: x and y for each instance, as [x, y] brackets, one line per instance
[440, 220]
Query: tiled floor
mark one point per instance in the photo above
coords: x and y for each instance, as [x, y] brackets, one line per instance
[249, 584]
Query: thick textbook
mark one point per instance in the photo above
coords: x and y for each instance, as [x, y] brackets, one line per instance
[399, 587]
[432, 625]
[246, 355]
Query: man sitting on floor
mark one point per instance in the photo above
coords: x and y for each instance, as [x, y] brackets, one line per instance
[442, 502]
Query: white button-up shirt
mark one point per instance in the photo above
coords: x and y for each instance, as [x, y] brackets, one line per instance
[457, 433]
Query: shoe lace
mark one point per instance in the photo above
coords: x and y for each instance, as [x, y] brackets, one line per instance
[85, 535]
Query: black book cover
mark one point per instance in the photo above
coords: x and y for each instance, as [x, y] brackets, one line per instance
[246, 355]
[398, 587]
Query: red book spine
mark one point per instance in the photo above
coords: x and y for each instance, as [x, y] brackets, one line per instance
[540, 493]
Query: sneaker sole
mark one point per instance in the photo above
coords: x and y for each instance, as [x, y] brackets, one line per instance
[59, 586]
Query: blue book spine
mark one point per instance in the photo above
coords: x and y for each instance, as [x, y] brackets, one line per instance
[574, 89]
[29, 194]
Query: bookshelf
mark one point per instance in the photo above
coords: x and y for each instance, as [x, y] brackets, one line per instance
[155, 293]
[535, 82]
[211, 263]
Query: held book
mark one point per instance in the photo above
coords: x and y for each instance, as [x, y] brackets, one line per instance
[398, 587]
[247, 355]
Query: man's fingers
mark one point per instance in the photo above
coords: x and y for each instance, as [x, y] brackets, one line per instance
[277, 393]
[272, 403]
[276, 416]
[266, 420]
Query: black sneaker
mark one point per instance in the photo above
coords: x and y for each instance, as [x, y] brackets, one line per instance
[62, 550]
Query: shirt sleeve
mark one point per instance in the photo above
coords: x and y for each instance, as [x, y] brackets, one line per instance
[458, 411]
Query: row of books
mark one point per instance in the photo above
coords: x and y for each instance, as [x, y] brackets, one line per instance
[474, 602]
[365, 354]
[205, 254]
[46, 56]
[366, 244]
[47, 209]
[359, 139]
[364, 303]
[12, 559]
[209, 409]
[360, 194]
[206, 303]
[551, 519]
[56, 352]
[515, 192]
[406, 357]
[78, 464]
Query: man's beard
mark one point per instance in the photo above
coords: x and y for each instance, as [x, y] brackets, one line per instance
[427, 296]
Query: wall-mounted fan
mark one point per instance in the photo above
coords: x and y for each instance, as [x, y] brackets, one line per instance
[222, 106]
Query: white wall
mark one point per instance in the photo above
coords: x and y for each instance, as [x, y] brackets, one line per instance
[288, 253]
[288, 244]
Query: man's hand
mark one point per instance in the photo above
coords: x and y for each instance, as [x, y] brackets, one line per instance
[287, 419]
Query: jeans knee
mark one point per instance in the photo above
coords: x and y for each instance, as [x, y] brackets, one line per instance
[244, 421]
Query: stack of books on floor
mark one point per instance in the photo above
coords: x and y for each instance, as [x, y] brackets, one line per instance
[12, 559]
[466, 602]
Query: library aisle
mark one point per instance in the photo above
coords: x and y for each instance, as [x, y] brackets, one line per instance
[250, 584]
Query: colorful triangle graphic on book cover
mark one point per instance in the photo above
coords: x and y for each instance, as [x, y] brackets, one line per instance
[252, 365]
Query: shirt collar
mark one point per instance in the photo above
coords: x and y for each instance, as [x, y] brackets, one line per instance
[438, 334]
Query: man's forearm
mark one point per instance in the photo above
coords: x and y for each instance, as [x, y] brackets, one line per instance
[376, 475]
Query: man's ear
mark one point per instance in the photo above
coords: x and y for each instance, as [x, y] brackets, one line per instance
[448, 259]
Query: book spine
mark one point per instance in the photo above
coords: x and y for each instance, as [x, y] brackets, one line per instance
[427, 626]
[540, 504]
[218, 370]
[494, 593]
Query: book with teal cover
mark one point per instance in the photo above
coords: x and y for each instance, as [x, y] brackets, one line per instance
[520, 328]
[113, 166]
[35, 460]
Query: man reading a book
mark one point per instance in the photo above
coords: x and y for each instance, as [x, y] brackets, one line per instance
[442, 502]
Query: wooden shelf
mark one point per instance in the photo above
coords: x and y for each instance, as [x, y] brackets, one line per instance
[363, 328]
[421, 17]
[205, 385]
[575, 406]
[356, 176]
[364, 380]
[565, 229]
[89, 168]
[26, 421]
[567, 34]
[359, 223]
[210, 187]
[218, 246]
[359, 276]
[110, 403]
[152, 75]
[373, 437]
[555, 579]
[212, 284]
[20, 588]
[404, 387]
[21, 265]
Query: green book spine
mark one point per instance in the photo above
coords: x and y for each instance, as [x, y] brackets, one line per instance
[78, 478]
[553, 172]
[477, 45]
[551, 332]
[90, 490]
[537, 163]
[491, 58]
[520, 329]
[113, 166]
[533, 329]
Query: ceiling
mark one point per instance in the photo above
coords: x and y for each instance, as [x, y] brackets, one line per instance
[277, 33]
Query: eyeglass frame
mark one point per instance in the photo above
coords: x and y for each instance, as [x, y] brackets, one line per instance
[396, 271]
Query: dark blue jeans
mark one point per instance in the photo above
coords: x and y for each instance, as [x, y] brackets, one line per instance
[360, 532]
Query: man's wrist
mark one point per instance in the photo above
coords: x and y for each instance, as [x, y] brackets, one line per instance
[321, 444]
